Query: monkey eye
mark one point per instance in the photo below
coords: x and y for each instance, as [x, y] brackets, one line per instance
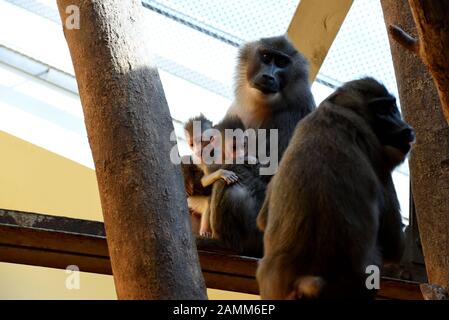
[265, 57]
[384, 109]
[281, 61]
[384, 105]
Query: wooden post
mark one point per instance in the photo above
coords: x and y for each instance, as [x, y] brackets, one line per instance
[429, 160]
[152, 250]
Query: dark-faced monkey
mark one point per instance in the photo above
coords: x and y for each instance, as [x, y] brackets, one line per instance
[234, 207]
[331, 210]
[197, 181]
[272, 88]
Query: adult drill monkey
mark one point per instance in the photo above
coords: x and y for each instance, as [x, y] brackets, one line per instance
[272, 88]
[332, 210]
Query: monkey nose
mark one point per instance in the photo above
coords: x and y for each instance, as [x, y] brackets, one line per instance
[409, 134]
[267, 84]
[268, 79]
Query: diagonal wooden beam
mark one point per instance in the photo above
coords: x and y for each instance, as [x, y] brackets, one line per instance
[57, 242]
[314, 27]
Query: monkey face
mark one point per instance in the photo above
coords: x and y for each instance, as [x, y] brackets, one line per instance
[371, 100]
[194, 130]
[227, 149]
[389, 126]
[229, 140]
[194, 143]
[233, 149]
[393, 133]
[199, 145]
[271, 75]
[268, 70]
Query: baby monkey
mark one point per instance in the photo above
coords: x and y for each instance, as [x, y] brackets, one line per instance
[198, 178]
[233, 207]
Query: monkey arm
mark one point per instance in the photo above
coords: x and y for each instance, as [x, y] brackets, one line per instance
[228, 176]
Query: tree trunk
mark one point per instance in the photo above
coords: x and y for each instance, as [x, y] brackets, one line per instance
[152, 250]
[432, 23]
[429, 160]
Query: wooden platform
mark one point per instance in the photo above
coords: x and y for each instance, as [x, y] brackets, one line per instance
[57, 242]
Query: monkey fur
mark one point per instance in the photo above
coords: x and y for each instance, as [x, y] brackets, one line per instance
[332, 210]
[234, 207]
[272, 89]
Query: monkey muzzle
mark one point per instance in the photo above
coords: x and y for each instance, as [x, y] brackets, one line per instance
[266, 84]
[401, 140]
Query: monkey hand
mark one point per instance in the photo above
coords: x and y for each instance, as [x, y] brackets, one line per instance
[229, 177]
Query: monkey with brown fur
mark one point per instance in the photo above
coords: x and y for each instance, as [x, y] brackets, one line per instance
[272, 88]
[332, 210]
[198, 184]
[234, 207]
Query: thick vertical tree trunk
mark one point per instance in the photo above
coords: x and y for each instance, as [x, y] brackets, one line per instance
[128, 122]
[429, 161]
[432, 23]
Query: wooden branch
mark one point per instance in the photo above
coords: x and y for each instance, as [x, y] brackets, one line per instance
[153, 253]
[404, 39]
[57, 242]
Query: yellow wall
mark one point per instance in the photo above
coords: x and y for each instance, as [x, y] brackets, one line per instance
[35, 180]
[28, 282]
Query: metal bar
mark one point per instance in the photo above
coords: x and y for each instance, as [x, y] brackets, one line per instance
[186, 20]
[192, 23]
